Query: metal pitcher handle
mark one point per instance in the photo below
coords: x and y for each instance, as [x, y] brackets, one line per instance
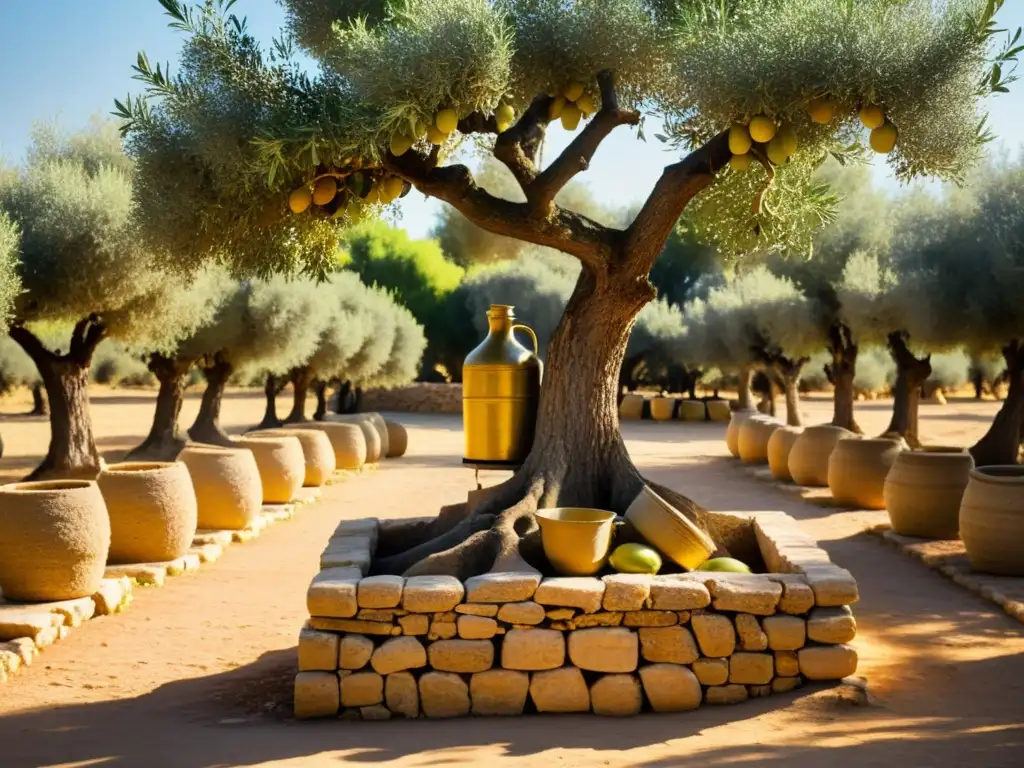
[533, 336]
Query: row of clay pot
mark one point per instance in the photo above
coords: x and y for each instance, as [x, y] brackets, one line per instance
[664, 409]
[57, 537]
[934, 493]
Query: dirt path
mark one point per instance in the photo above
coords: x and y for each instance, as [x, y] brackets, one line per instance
[197, 674]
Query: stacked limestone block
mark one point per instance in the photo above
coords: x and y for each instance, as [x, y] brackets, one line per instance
[508, 643]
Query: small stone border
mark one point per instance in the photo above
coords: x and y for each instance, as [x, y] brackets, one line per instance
[376, 647]
[949, 557]
[27, 628]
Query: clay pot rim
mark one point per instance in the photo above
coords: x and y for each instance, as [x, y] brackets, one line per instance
[999, 474]
[40, 487]
[873, 441]
[682, 521]
[939, 450]
[281, 440]
[829, 429]
[212, 450]
[138, 467]
[610, 515]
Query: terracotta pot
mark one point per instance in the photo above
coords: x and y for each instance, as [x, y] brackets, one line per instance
[719, 410]
[281, 464]
[398, 439]
[229, 493]
[663, 408]
[371, 436]
[54, 539]
[732, 434]
[923, 491]
[668, 530]
[153, 511]
[576, 540]
[857, 470]
[779, 445]
[632, 407]
[808, 458]
[316, 451]
[753, 439]
[347, 440]
[992, 520]
[692, 410]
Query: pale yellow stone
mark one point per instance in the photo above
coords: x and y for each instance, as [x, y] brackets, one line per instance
[751, 668]
[611, 619]
[317, 650]
[376, 712]
[674, 645]
[10, 662]
[23, 648]
[560, 614]
[432, 594]
[533, 649]
[751, 637]
[711, 671]
[443, 694]
[449, 616]
[581, 592]
[386, 615]
[442, 630]
[678, 594]
[560, 690]
[332, 593]
[785, 684]
[477, 609]
[785, 633]
[398, 654]
[650, 619]
[74, 611]
[476, 627]
[831, 625]
[498, 692]
[316, 695]
[521, 613]
[147, 574]
[715, 634]
[112, 594]
[604, 649]
[725, 694]
[797, 598]
[832, 585]
[501, 587]
[401, 694]
[362, 689]
[626, 591]
[463, 656]
[786, 664]
[744, 593]
[354, 625]
[827, 662]
[414, 624]
[759, 691]
[31, 622]
[354, 651]
[380, 591]
[617, 695]
[670, 687]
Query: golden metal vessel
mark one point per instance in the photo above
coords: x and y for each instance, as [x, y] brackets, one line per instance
[500, 393]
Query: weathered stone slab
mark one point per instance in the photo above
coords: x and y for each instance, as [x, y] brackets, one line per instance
[362, 689]
[318, 651]
[744, 593]
[711, 671]
[617, 695]
[432, 594]
[205, 537]
[19, 622]
[364, 526]
[673, 645]
[560, 690]
[380, 591]
[146, 574]
[464, 656]
[23, 647]
[401, 694]
[443, 694]
[112, 596]
[398, 654]
[499, 692]
[751, 668]
[74, 612]
[10, 661]
[414, 624]
[604, 649]
[626, 591]
[442, 630]
[560, 614]
[726, 694]
[677, 593]
[832, 586]
[521, 613]
[831, 625]
[785, 633]
[347, 557]
[376, 712]
[797, 596]
[353, 625]
[316, 694]
[603, 619]
[533, 649]
[715, 634]
[786, 664]
[752, 637]
[207, 553]
[354, 651]
[187, 563]
[785, 684]
[387, 615]
[476, 627]
[501, 587]
[332, 593]
[582, 592]
[650, 618]
[827, 662]
[670, 687]
[477, 609]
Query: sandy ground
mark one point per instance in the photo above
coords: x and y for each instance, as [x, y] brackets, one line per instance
[197, 674]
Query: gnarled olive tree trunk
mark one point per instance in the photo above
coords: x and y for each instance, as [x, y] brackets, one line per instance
[165, 440]
[206, 428]
[744, 391]
[272, 387]
[320, 387]
[301, 378]
[72, 452]
[39, 404]
[911, 374]
[1001, 444]
[789, 370]
[841, 372]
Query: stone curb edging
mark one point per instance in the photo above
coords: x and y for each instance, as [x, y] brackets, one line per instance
[382, 646]
[27, 628]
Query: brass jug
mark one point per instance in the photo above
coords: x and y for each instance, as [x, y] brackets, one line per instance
[500, 393]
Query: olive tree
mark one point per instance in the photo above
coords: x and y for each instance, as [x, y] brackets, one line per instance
[401, 84]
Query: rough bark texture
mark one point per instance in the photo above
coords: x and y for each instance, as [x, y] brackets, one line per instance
[745, 396]
[841, 372]
[206, 428]
[72, 452]
[1001, 444]
[788, 370]
[343, 397]
[320, 387]
[911, 374]
[271, 388]
[39, 405]
[301, 379]
[165, 440]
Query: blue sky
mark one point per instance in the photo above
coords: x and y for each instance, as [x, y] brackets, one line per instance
[68, 59]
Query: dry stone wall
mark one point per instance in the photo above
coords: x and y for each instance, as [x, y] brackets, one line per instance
[377, 647]
[415, 398]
